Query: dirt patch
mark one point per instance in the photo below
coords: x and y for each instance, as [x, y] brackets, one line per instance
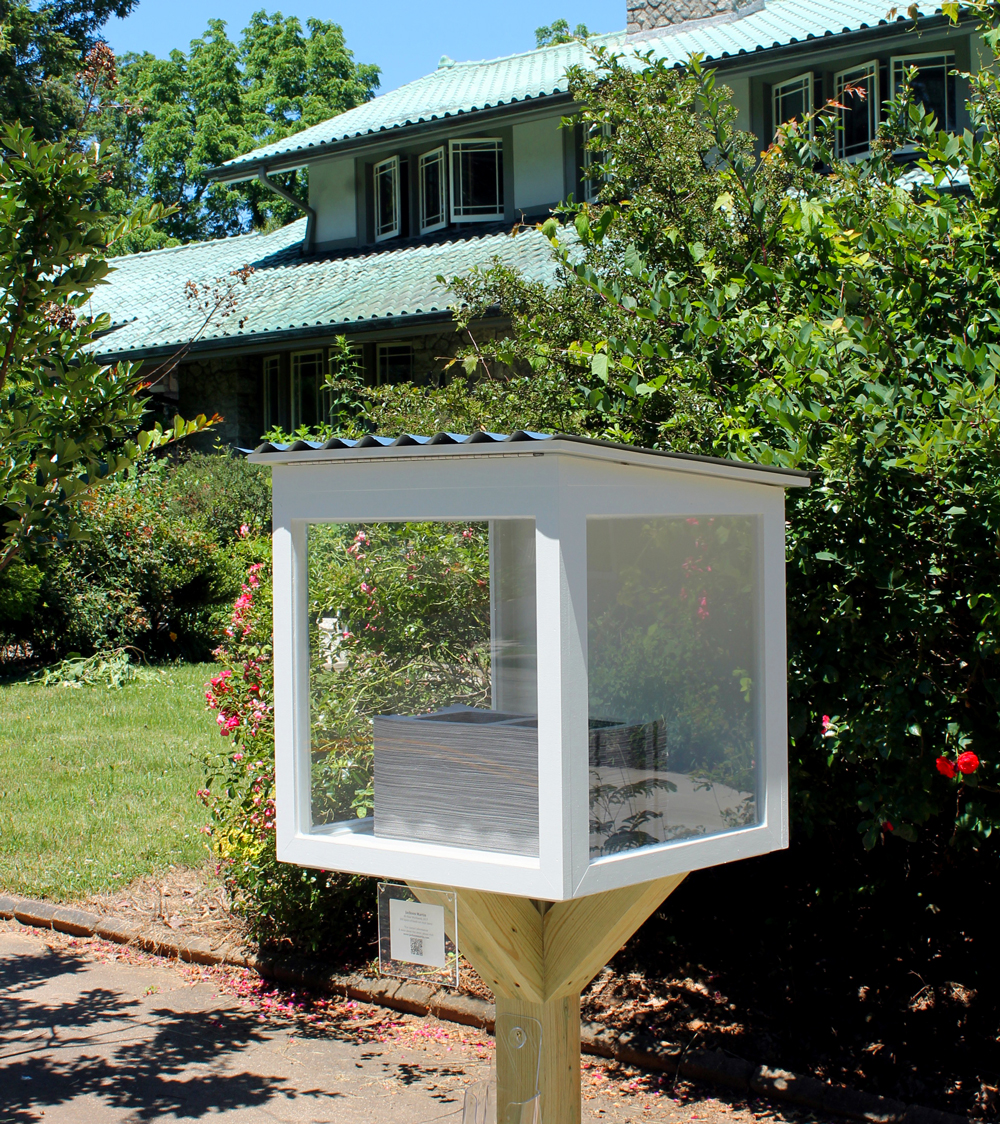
[189, 901]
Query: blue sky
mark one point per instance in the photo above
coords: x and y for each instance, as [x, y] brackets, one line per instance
[404, 39]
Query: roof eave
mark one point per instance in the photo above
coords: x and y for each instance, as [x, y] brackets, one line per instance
[290, 161]
[258, 342]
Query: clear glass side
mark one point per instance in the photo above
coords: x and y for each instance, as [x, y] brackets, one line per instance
[673, 680]
[422, 682]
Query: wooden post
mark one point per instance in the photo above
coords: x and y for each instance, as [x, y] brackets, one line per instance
[537, 957]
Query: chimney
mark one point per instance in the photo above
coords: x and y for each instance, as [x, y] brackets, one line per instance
[648, 15]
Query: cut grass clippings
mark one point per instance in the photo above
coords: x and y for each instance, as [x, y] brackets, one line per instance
[98, 785]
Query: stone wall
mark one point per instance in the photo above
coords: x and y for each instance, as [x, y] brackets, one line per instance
[231, 386]
[645, 15]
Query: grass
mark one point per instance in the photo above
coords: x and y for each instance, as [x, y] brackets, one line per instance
[97, 786]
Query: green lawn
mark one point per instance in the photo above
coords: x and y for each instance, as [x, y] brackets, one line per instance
[97, 786]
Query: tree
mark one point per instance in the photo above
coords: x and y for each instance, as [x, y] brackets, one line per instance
[41, 47]
[558, 32]
[67, 423]
[795, 309]
[221, 99]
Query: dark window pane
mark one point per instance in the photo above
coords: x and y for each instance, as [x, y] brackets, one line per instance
[858, 93]
[395, 363]
[478, 171]
[432, 194]
[933, 86]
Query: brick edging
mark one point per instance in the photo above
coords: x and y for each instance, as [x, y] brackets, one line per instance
[631, 1047]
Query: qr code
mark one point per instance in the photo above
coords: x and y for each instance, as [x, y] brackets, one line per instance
[416, 946]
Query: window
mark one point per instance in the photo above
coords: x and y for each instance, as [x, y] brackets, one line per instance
[433, 191]
[273, 412]
[792, 99]
[308, 377]
[933, 86]
[857, 92]
[476, 180]
[387, 199]
[353, 366]
[593, 182]
[395, 362]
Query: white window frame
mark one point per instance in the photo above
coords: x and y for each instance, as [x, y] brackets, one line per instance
[592, 187]
[871, 103]
[806, 78]
[907, 61]
[296, 384]
[388, 167]
[272, 380]
[439, 156]
[380, 350]
[454, 179]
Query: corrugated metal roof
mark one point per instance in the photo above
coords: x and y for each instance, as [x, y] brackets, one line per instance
[465, 87]
[148, 301]
[299, 452]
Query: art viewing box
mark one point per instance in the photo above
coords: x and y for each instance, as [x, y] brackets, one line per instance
[535, 665]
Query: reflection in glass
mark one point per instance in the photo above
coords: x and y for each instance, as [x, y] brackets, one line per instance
[422, 682]
[672, 678]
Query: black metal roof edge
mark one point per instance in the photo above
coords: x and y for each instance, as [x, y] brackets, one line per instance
[372, 441]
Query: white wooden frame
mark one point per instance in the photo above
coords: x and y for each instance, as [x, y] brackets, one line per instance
[806, 77]
[558, 484]
[295, 384]
[454, 181]
[389, 167]
[915, 60]
[872, 103]
[440, 156]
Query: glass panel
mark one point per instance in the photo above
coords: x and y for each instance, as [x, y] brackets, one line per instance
[308, 376]
[387, 198]
[933, 86]
[793, 100]
[395, 363]
[593, 182]
[272, 392]
[672, 659]
[432, 201]
[418, 632]
[478, 179]
[857, 92]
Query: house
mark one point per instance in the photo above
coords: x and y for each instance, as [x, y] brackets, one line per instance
[430, 179]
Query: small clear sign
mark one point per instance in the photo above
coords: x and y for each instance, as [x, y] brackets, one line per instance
[417, 931]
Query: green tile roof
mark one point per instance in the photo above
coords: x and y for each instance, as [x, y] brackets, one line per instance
[465, 87]
[146, 295]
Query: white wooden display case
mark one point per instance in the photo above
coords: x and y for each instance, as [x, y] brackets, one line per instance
[631, 721]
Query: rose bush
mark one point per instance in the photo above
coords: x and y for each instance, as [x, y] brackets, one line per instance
[279, 903]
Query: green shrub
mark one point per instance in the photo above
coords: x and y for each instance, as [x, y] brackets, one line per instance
[143, 578]
[222, 492]
[280, 903]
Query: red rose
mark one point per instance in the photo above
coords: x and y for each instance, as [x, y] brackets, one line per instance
[887, 826]
[946, 767]
[967, 762]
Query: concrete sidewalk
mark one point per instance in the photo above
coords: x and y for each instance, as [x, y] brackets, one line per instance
[91, 1038]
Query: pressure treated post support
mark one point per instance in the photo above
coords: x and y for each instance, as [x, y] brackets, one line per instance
[537, 957]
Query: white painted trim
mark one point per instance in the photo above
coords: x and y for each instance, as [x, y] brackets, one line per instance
[436, 153]
[391, 162]
[559, 492]
[734, 470]
[457, 145]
